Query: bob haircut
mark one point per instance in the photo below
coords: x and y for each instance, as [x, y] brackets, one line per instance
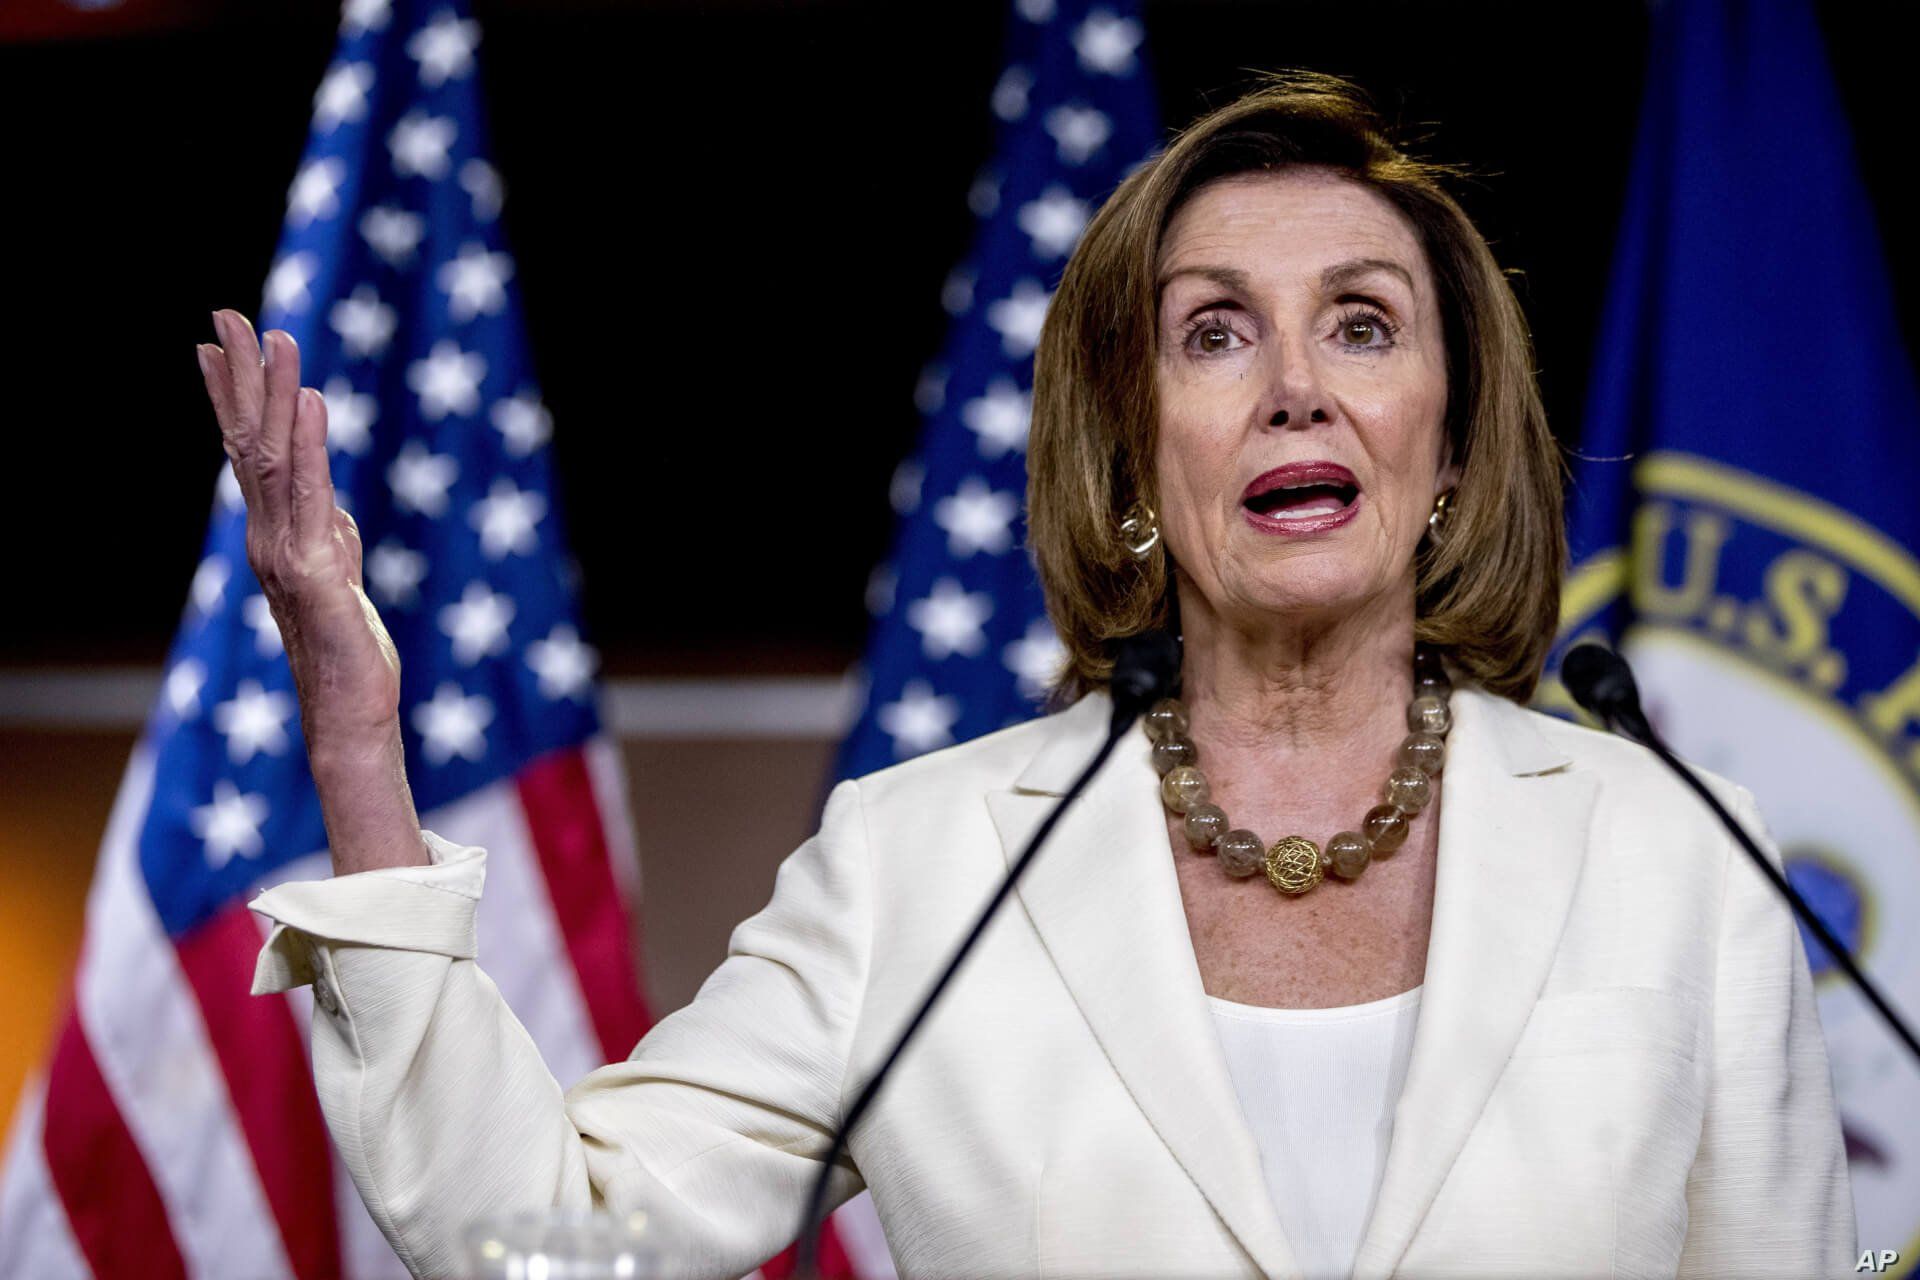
[1488, 591]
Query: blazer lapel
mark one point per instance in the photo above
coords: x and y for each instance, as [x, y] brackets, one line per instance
[1513, 840]
[1105, 900]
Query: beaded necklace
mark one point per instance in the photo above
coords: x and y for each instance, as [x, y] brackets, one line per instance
[1295, 864]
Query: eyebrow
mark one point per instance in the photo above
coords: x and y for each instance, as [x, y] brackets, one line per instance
[1226, 277]
[1340, 276]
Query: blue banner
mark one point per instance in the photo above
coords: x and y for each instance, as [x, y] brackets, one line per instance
[1742, 522]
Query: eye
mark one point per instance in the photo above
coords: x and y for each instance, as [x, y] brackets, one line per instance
[1365, 327]
[1211, 334]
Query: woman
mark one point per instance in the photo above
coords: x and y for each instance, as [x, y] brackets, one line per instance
[1284, 403]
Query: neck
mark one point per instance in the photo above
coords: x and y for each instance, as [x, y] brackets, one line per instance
[1319, 702]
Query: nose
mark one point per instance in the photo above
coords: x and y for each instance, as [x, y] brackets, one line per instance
[1294, 396]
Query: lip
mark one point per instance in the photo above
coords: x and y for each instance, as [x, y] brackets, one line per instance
[1301, 473]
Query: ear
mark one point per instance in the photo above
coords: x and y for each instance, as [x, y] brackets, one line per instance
[1448, 475]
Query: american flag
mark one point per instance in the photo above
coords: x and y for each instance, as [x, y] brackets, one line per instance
[176, 1131]
[961, 644]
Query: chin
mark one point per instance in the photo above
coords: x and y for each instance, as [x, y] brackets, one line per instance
[1295, 598]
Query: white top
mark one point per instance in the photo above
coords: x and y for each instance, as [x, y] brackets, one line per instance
[1318, 1087]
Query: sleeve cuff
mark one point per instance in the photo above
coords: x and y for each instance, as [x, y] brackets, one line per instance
[427, 908]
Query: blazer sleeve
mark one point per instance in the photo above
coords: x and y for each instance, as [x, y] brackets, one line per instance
[444, 1112]
[1769, 1193]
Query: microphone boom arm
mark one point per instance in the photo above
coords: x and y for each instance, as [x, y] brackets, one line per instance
[810, 1225]
[1601, 681]
[1834, 946]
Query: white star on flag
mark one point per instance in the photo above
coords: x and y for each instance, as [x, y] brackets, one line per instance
[420, 479]
[983, 197]
[181, 689]
[956, 292]
[1035, 658]
[350, 416]
[452, 724]
[920, 721]
[1105, 42]
[288, 280]
[505, 519]
[481, 182]
[444, 49]
[361, 16]
[1000, 417]
[392, 233]
[342, 95]
[227, 492]
[258, 614]
[230, 825]
[1054, 222]
[564, 664]
[930, 392]
[903, 491]
[524, 422]
[395, 572]
[882, 582]
[1010, 93]
[315, 192]
[1078, 132]
[477, 623]
[447, 381]
[475, 282]
[419, 145]
[210, 579]
[976, 518]
[365, 324]
[950, 619]
[1017, 318]
[255, 720]
[1036, 10]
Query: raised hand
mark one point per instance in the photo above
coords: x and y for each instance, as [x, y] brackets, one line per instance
[305, 551]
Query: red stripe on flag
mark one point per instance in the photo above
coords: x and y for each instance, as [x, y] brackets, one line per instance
[271, 1084]
[556, 793]
[112, 1204]
[834, 1262]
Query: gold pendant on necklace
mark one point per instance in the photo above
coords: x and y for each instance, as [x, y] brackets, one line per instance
[1293, 864]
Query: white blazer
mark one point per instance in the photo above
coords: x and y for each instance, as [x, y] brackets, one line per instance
[1618, 1068]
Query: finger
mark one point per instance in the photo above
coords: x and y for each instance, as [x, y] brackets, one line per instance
[213, 369]
[240, 374]
[312, 481]
[349, 534]
[273, 448]
[244, 374]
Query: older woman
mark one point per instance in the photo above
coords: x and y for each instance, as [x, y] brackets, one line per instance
[1284, 995]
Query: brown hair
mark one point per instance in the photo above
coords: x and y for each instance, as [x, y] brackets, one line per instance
[1489, 592]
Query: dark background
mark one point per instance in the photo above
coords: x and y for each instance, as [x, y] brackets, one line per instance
[731, 223]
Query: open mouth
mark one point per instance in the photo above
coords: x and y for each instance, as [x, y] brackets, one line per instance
[1303, 501]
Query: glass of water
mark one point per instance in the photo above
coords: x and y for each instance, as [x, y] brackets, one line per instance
[565, 1244]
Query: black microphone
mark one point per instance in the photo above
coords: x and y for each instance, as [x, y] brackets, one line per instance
[1601, 681]
[1145, 668]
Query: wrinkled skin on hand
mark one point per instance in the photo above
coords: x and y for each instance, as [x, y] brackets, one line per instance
[306, 553]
